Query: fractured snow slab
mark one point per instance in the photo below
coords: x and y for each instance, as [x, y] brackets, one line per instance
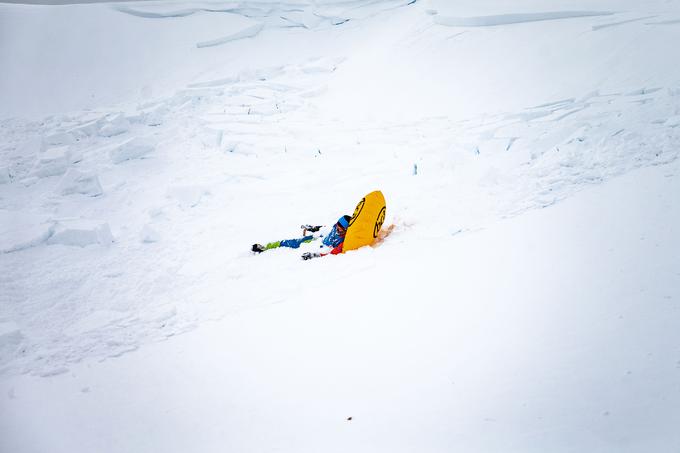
[5, 175]
[187, 196]
[616, 24]
[215, 83]
[158, 15]
[211, 137]
[115, 125]
[673, 121]
[94, 321]
[81, 233]
[249, 32]
[52, 162]
[154, 115]
[75, 181]
[9, 333]
[23, 230]
[507, 19]
[58, 138]
[84, 130]
[307, 19]
[149, 234]
[133, 148]
[10, 338]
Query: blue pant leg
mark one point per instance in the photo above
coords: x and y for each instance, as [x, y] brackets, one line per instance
[295, 243]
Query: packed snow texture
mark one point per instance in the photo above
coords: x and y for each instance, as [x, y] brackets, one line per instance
[526, 300]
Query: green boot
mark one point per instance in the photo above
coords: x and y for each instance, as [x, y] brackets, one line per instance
[259, 248]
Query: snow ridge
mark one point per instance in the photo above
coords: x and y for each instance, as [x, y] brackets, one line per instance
[509, 19]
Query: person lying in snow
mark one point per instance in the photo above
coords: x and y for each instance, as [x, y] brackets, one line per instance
[333, 240]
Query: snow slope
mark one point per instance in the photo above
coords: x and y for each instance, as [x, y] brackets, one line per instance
[145, 146]
[553, 331]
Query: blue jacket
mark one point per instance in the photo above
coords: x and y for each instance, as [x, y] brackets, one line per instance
[333, 239]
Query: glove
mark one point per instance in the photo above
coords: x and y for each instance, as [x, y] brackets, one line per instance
[312, 228]
[308, 256]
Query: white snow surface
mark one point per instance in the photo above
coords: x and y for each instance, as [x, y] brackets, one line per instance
[527, 300]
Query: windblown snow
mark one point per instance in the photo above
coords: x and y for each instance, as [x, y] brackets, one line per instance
[528, 298]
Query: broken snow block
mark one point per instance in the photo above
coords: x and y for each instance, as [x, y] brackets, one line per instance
[133, 148]
[9, 334]
[10, 338]
[84, 130]
[154, 116]
[58, 139]
[21, 230]
[114, 125]
[52, 162]
[75, 155]
[673, 121]
[149, 234]
[81, 233]
[75, 181]
[187, 196]
[29, 181]
[228, 146]
[211, 137]
[5, 175]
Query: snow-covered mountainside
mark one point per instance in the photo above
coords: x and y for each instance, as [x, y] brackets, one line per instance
[528, 298]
